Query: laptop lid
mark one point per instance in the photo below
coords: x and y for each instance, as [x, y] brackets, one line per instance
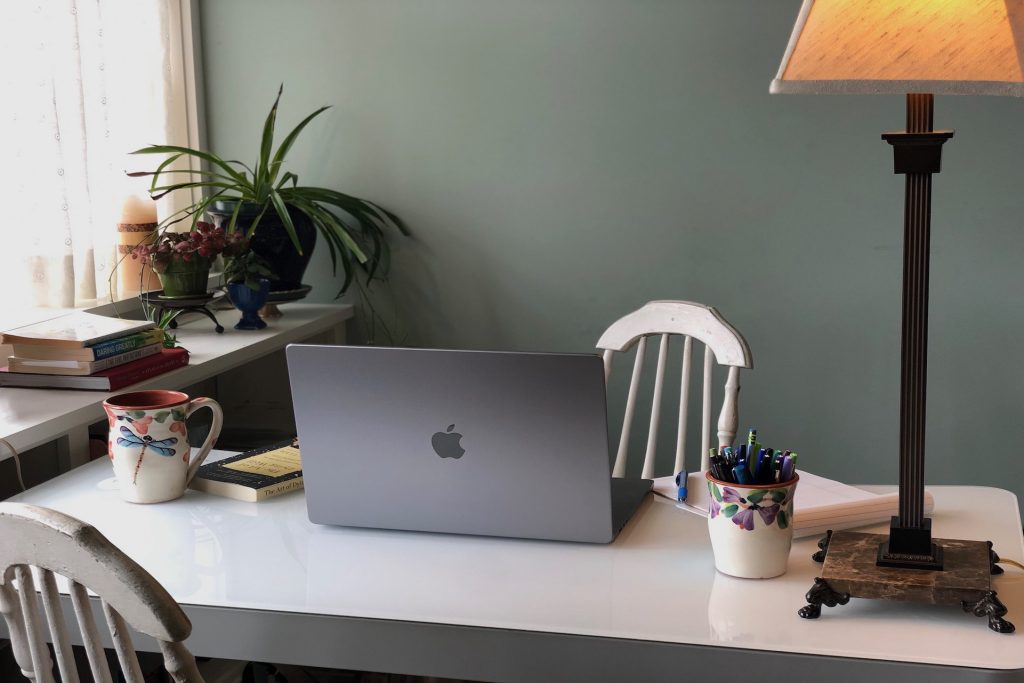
[469, 442]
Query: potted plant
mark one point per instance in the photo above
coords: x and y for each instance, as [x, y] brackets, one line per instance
[281, 217]
[182, 259]
[248, 283]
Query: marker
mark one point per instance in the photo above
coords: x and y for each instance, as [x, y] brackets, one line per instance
[740, 473]
[681, 483]
[787, 469]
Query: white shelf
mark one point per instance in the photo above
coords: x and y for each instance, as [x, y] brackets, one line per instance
[32, 417]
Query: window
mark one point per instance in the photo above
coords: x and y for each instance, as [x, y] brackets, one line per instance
[84, 83]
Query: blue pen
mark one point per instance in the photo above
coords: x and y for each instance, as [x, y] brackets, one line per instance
[740, 473]
[681, 483]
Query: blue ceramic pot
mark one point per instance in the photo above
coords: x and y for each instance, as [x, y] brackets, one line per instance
[249, 302]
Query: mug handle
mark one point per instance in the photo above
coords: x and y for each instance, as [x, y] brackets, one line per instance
[211, 438]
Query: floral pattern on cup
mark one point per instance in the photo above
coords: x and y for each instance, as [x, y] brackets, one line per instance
[772, 505]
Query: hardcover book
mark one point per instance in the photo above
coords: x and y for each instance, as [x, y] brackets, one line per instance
[99, 351]
[254, 475]
[74, 330]
[78, 367]
[106, 380]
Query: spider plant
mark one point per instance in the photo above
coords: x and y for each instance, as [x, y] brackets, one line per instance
[352, 227]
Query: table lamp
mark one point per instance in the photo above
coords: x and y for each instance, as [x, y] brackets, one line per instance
[917, 48]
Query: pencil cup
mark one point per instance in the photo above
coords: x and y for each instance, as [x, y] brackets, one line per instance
[751, 527]
[148, 443]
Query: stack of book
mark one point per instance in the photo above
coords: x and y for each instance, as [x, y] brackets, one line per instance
[87, 351]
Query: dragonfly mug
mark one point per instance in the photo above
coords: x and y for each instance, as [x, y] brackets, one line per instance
[148, 443]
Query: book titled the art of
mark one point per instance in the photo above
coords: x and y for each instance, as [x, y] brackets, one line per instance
[254, 475]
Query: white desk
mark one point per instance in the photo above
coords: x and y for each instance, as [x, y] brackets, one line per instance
[260, 582]
[31, 417]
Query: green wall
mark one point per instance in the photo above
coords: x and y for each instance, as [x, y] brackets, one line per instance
[563, 161]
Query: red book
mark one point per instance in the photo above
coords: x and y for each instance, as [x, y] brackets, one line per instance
[107, 380]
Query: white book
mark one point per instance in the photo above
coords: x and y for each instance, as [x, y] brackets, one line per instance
[820, 504]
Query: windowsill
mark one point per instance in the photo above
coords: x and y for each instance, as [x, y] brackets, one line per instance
[131, 308]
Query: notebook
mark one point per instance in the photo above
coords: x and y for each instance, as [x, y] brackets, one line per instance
[477, 442]
[820, 504]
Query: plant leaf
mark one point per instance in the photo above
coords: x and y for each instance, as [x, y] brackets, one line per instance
[282, 212]
[289, 140]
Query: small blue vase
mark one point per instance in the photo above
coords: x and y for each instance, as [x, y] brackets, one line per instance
[249, 302]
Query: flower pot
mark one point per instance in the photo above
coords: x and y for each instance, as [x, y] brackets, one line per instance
[249, 302]
[271, 240]
[184, 279]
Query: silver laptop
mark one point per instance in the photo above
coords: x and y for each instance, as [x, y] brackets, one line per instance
[465, 442]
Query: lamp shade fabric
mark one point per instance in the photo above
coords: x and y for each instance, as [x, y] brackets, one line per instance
[943, 47]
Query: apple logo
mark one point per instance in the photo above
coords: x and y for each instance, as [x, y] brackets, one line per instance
[446, 443]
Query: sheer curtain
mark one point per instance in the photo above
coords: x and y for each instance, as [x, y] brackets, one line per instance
[84, 83]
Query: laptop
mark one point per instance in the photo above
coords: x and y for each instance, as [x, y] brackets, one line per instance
[464, 442]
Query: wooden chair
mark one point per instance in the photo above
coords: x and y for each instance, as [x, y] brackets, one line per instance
[36, 545]
[663, 319]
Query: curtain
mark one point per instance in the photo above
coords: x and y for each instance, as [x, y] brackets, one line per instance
[84, 82]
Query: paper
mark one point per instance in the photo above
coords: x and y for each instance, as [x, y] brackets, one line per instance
[276, 463]
[821, 504]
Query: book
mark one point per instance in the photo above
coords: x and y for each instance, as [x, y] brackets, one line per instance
[820, 504]
[105, 380]
[74, 330]
[78, 367]
[254, 475]
[99, 351]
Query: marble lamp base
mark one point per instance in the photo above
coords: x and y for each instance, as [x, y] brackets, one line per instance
[850, 571]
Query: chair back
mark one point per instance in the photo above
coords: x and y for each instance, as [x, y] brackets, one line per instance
[38, 545]
[722, 344]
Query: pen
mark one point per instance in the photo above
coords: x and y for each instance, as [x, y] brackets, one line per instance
[681, 483]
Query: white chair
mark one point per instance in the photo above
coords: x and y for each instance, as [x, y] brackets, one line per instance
[723, 344]
[36, 545]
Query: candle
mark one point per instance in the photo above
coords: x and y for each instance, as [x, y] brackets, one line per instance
[136, 225]
[138, 209]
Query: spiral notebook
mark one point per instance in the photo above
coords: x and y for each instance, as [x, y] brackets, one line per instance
[821, 504]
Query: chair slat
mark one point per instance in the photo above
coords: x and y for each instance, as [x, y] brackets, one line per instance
[728, 419]
[58, 630]
[652, 432]
[122, 638]
[608, 354]
[42, 667]
[705, 434]
[179, 662]
[90, 634]
[11, 611]
[684, 406]
[634, 386]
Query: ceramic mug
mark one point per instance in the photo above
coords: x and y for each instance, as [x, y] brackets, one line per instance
[148, 443]
[751, 527]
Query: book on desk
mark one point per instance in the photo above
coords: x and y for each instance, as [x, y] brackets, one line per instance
[254, 475]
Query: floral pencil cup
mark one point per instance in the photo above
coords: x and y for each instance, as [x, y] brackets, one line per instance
[751, 527]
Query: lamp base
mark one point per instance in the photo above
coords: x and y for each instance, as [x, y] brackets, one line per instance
[910, 547]
[851, 571]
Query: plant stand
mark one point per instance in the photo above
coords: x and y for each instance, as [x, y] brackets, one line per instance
[191, 305]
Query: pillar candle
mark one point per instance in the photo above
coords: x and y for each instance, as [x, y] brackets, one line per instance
[136, 225]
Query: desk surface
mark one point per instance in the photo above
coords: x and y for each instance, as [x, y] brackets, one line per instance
[656, 582]
[30, 417]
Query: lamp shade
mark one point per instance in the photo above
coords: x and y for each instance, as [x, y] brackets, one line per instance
[943, 47]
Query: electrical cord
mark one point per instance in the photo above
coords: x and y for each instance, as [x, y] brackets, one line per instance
[17, 462]
[1015, 563]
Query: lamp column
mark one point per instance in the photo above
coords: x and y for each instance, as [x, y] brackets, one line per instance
[917, 154]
